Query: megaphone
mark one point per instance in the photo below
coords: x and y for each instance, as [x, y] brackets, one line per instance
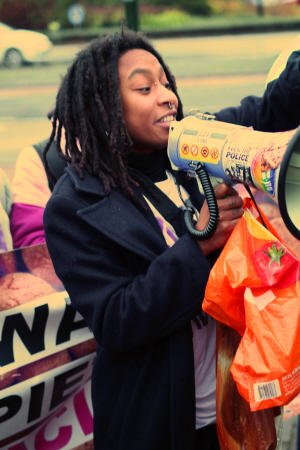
[269, 162]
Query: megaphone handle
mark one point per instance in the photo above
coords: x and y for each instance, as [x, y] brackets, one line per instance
[202, 235]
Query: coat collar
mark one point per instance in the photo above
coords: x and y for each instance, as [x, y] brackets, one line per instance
[93, 185]
[89, 184]
[118, 218]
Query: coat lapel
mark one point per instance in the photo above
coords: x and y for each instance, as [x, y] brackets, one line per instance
[119, 219]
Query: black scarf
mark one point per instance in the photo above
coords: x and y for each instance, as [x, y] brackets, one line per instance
[152, 165]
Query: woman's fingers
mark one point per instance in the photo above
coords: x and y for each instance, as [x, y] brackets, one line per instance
[230, 204]
[230, 208]
[223, 189]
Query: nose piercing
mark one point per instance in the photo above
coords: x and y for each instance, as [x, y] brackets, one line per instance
[171, 106]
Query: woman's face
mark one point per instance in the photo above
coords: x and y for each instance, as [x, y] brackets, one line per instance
[145, 95]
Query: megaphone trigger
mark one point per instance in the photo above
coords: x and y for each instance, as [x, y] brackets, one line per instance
[269, 162]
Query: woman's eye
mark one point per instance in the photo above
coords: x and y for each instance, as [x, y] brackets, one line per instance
[148, 88]
[145, 89]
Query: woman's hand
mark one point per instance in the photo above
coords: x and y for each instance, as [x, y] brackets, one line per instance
[230, 210]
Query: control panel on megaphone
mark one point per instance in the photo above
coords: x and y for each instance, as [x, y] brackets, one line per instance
[269, 162]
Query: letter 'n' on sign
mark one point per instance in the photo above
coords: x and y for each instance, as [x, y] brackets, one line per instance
[33, 339]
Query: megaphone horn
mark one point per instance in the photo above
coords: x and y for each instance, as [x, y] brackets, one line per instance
[269, 162]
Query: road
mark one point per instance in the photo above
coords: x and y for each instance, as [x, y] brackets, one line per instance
[211, 73]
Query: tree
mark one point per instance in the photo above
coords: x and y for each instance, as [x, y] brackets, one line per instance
[29, 14]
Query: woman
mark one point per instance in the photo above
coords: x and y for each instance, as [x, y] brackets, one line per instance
[137, 280]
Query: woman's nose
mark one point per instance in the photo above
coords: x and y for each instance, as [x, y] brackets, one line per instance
[168, 96]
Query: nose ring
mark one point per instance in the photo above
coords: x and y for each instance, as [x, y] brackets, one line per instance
[171, 106]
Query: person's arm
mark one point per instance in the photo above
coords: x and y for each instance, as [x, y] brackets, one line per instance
[30, 195]
[278, 109]
[5, 208]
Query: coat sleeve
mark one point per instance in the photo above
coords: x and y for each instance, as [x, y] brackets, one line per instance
[126, 300]
[278, 109]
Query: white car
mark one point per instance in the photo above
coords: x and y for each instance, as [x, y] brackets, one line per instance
[22, 46]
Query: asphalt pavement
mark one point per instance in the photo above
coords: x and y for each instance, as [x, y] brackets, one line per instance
[289, 434]
[251, 46]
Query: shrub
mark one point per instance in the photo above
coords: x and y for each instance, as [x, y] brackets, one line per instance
[231, 7]
[30, 14]
[197, 7]
[174, 18]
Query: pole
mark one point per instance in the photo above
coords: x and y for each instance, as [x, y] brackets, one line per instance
[132, 14]
[260, 7]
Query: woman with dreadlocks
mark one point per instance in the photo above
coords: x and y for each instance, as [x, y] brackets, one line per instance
[137, 279]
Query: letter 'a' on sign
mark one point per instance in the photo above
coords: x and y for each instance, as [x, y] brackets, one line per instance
[269, 162]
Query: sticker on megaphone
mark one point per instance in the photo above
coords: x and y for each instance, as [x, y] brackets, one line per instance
[269, 162]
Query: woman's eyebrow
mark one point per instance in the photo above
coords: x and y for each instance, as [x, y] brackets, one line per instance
[139, 70]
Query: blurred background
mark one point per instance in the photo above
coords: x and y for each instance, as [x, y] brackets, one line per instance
[56, 17]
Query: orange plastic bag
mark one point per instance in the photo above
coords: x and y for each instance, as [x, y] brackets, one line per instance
[238, 427]
[254, 288]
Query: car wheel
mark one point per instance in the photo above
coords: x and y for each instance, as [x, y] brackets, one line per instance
[13, 58]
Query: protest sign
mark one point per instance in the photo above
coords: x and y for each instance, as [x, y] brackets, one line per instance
[46, 358]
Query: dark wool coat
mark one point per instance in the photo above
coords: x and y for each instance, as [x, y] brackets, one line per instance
[138, 298]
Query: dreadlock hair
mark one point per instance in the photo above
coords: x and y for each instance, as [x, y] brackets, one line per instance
[89, 110]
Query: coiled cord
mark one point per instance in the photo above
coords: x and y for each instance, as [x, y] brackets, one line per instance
[202, 235]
